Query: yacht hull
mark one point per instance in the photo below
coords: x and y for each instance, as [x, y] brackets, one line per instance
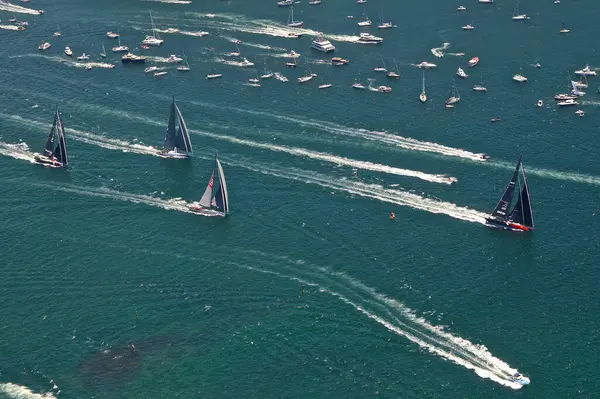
[44, 161]
[506, 225]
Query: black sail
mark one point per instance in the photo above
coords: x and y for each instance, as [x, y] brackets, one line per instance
[526, 201]
[501, 210]
[60, 152]
[516, 215]
[170, 135]
[49, 148]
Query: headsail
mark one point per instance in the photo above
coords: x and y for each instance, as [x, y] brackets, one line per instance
[182, 138]
[575, 88]
[206, 199]
[49, 148]
[501, 209]
[170, 134]
[222, 197]
[60, 152]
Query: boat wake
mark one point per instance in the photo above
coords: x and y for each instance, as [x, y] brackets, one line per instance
[21, 392]
[371, 135]
[175, 31]
[68, 62]
[377, 192]
[394, 316]
[17, 151]
[232, 63]
[6, 6]
[439, 51]
[255, 45]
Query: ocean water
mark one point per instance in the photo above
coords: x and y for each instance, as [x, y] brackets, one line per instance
[307, 289]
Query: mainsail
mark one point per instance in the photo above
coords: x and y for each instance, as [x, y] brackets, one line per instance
[49, 148]
[501, 209]
[177, 136]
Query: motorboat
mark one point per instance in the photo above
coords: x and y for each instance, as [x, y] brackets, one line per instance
[253, 80]
[174, 59]
[145, 47]
[540, 103]
[183, 68]
[586, 71]
[468, 27]
[518, 377]
[56, 34]
[321, 44]
[213, 76]
[473, 61]
[479, 88]
[580, 112]
[567, 103]
[131, 58]
[426, 65]
[83, 57]
[161, 73]
[461, 73]
[461, 8]
[68, 51]
[151, 69]
[520, 17]
[314, 2]
[519, 78]
[325, 86]
[495, 119]
[112, 35]
[486, 1]
[369, 38]
[172, 30]
[246, 62]
[562, 97]
[384, 89]
[392, 75]
[361, 1]
[44, 46]
[358, 86]
[88, 67]
[285, 3]
[538, 65]
[304, 79]
[120, 49]
[338, 61]
[267, 75]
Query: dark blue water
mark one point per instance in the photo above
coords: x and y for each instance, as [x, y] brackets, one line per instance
[307, 289]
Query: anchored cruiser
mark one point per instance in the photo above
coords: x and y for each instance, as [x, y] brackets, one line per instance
[520, 218]
[177, 138]
[55, 151]
[215, 200]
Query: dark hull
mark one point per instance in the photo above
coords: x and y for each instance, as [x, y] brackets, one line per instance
[506, 225]
[130, 61]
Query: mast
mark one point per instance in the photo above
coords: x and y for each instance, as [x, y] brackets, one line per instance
[154, 32]
[501, 208]
[423, 82]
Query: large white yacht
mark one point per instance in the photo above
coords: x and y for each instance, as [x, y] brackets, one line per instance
[369, 38]
[587, 71]
[321, 44]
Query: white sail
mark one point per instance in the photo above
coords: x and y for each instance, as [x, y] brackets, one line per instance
[206, 199]
[183, 130]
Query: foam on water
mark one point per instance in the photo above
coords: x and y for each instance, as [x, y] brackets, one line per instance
[15, 391]
[11, 27]
[6, 6]
[17, 151]
[69, 62]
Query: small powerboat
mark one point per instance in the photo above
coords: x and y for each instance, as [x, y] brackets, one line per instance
[520, 378]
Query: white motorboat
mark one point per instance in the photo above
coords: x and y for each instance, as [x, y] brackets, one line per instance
[314, 2]
[172, 30]
[338, 61]
[468, 27]
[285, 3]
[562, 97]
[161, 73]
[246, 63]
[358, 86]
[586, 71]
[44, 46]
[461, 73]
[267, 75]
[131, 58]
[426, 65]
[83, 57]
[88, 67]
[380, 69]
[479, 88]
[361, 1]
[518, 377]
[473, 62]
[461, 8]
[68, 51]
[384, 89]
[150, 69]
[112, 35]
[325, 86]
[253, 80]
[304, 79]
[538, 65]
[57, 34]
[567, 103]
[213, 76]
[364, 23]
[580, 112]
[540, 103]
[369, 38]
[174, 59]
[486, 1]
[321, 44]
[519, 78]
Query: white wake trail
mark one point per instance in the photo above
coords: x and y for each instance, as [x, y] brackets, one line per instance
[400, 329]
[17, 151]
[21, 392]
[374, 191]
[6, 6]
[69, 62]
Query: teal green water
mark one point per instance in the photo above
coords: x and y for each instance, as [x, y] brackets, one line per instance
[103, 255]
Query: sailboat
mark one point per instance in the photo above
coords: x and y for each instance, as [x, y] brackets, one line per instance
[480, 87]
[384, 25]
[291, 23]
[366, 21]
[423, 95]
[454, 99]
[215, 201]
[292, 64]
[103, 53]
[186, 67]
[520, 218]
[393, 74]
[154, 39]
[306, 78]
[120, 48]
[563, 29]
[57, 33]
[55, 150]
[177, 138]
[517, 16]
[267, 74]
